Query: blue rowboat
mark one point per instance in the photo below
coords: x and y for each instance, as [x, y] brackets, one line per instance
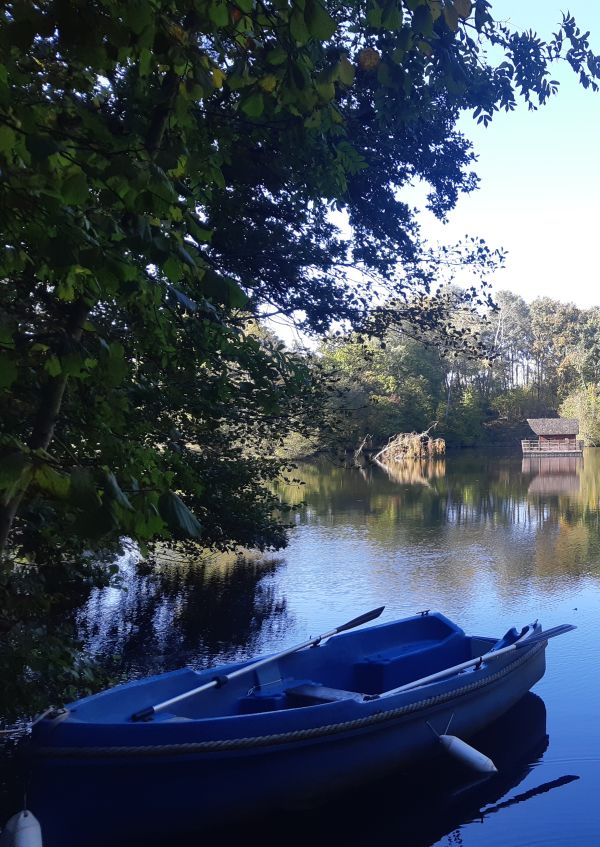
[197, 748]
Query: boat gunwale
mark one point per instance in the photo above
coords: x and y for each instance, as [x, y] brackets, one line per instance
[300, 735]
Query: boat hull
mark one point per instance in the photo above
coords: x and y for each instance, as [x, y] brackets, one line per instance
[135, 787]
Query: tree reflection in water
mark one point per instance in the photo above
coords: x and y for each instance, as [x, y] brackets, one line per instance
[547, 511]
[177, 611]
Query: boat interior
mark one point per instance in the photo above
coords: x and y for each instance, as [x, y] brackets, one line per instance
[345, 667]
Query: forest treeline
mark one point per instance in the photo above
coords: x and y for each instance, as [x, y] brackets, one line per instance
[519, 361]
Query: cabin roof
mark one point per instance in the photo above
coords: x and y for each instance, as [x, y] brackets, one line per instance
[554, 426]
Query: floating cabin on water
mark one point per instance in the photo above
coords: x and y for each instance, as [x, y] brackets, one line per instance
[555, 437]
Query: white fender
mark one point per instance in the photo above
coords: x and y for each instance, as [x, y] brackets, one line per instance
[467, 755]
[22, 830]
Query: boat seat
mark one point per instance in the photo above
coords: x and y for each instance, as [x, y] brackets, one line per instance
[402, 663]
[262, 701]
[311, 694]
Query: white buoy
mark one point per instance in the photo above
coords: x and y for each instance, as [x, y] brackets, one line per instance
[22, 830]
[467, 755]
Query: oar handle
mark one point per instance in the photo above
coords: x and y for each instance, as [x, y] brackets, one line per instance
[143, 714]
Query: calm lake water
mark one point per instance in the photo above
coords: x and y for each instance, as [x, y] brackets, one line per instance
[489, 541]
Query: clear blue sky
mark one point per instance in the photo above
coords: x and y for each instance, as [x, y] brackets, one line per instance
[540, 176]
[539, 194]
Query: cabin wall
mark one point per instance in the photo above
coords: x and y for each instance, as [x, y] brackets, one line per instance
[555, 439]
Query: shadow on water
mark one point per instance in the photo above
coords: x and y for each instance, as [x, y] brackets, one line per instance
[415, 809]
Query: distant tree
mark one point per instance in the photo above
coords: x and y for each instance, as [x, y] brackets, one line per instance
[509, 337]
[517, 404]
[584, 404]
[556, 330]
[382, 388]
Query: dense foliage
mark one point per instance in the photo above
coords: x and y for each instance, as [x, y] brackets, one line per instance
[542, 360]
[168, 172]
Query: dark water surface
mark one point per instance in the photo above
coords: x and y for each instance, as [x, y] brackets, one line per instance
[491, 542]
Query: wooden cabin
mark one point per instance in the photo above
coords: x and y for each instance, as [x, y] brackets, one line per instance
[555, 437]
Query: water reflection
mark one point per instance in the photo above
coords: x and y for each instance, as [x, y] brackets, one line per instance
[414, 471]
[540, 511]
[175, 611]
[553, 475]
[433, 801]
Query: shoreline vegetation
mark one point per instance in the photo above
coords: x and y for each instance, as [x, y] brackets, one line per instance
[541, 360]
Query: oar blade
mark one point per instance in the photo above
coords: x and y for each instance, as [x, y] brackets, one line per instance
[368, 616]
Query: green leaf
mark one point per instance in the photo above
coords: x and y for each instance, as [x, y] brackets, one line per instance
[148, 523]
[138, 14]
[145, 62]
[16, 471]
[277, 56]
[268, 83]
[346, 71]
[464, 8]
[53, 366]
[314, 120]
[451, 17]
[326, 91]
[374, 15]
[83, 491]
[422, 21]
[8, 139]
[177, 516]
[218, 13]
[319, 22]
[223, 289]
[298, 27]
[51, 481]
[116, 367]
[392, 16]
[253, 105]
[172, 269]
[198, 231]
[113, 491]
[8, 370]
[74, 189]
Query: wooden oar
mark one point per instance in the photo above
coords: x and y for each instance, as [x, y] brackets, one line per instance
[219, 681]
[486, 657]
